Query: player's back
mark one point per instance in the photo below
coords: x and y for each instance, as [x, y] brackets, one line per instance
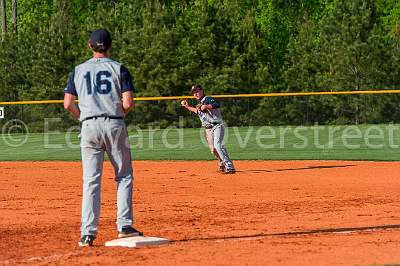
[98, 87]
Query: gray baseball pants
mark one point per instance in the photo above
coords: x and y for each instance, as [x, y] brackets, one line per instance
[215, 138]
[99, 135]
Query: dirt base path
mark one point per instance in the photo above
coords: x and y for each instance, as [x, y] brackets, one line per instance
[268, 213]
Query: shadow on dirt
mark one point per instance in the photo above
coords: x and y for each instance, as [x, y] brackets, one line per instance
[295, 169]
[340, 230]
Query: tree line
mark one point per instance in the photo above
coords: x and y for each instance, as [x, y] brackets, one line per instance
[227, 46]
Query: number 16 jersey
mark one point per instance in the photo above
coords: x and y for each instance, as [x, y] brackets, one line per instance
[99, 83]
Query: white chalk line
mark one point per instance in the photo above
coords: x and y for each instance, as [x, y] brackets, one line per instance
[34, 259]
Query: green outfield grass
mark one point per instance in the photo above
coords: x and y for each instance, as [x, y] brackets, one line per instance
[363, 142]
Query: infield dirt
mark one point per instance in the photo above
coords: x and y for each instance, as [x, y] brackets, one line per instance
[268, 213]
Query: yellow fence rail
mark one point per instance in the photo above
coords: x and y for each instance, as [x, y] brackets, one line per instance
[278, 94]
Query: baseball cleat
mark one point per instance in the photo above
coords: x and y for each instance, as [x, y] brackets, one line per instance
[128, 232]
[230, 171]
[221, 169]
[86, 241]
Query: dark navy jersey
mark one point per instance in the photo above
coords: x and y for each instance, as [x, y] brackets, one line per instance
[99, 83]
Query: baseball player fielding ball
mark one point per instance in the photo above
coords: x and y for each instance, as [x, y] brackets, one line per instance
[210, 116]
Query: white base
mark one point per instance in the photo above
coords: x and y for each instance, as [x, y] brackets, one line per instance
[136, 241]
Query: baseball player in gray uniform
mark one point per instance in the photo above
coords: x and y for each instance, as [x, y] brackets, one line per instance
[105, 91]
[211, 120]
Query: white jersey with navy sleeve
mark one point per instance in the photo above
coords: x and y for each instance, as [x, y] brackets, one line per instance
[213, 123]
[212, 116]
[99, 84]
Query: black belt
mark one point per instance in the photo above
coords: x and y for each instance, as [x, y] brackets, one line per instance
[211, 125]
[105, 116]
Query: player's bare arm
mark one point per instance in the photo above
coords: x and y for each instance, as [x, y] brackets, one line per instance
[206, 107]
[185, 105]
[69, 104]
[127, 101]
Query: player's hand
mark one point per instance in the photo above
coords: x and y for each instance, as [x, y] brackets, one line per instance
[184, 103]
[203, 108]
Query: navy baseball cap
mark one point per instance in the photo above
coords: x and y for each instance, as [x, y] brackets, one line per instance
[196, 87]
[100, 38]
